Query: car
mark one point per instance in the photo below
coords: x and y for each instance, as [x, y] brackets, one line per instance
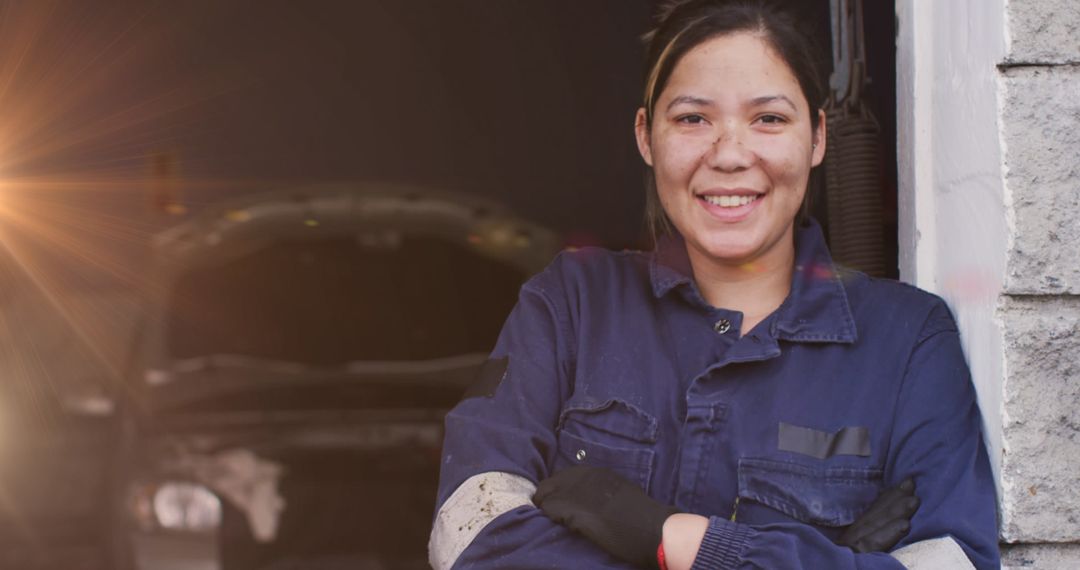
[298, 353]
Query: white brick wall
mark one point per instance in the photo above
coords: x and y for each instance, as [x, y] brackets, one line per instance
[1041, 557]
[1040, 468]
[1043, 31]
[1040, 307]
[1040, 120]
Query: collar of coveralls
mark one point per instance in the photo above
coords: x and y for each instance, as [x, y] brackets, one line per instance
[816, 309]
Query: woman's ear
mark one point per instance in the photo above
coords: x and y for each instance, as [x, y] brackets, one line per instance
[641, 132]
[819, 137]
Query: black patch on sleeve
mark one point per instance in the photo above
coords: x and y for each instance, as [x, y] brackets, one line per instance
[488, 378]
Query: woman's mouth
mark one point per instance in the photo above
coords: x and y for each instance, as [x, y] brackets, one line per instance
[729, 201]
[729, 207]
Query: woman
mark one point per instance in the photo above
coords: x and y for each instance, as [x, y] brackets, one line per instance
[730, 399]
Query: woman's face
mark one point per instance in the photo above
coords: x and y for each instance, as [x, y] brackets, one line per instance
[731, 146]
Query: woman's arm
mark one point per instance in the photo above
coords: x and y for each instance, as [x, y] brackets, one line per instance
[499, 443]
[617, 515]
[936, 440]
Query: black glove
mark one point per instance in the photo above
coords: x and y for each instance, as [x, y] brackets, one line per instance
[615, 514]
[886, 521]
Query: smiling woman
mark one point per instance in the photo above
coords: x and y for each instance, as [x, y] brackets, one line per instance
[731, 151]
[732, 399]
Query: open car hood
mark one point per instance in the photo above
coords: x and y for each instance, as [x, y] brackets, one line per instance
[369, 286]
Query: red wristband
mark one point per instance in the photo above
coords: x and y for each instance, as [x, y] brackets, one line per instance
[660, 561]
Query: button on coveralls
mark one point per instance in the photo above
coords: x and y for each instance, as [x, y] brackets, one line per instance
[782, 435]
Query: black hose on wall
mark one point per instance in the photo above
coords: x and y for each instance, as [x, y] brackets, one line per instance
[853, 190]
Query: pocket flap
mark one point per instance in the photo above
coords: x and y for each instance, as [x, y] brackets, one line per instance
[613, 417]
[832, 496]
[634, 463]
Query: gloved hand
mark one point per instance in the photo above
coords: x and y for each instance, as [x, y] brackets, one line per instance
[886, 521]
[618, 516]
[612, 512]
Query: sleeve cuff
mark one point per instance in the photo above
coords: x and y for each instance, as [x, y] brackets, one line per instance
[723, 545]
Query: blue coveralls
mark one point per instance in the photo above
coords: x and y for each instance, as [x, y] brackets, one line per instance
[782, 436]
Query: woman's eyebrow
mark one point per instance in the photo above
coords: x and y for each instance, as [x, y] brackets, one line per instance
[755, 102]
[766, 99]
[690, 99]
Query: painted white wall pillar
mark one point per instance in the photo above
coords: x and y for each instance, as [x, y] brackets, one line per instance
[953, 228]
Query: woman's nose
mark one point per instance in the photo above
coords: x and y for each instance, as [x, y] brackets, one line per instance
[729, 152]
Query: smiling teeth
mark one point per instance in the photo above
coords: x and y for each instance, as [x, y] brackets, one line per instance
[729, 201]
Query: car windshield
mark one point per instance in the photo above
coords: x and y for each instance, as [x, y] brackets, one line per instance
[335, 301]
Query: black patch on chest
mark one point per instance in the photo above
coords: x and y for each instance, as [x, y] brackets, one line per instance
[823, 444]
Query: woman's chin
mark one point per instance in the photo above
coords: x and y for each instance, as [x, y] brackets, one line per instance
[727, 252]
[748, 245]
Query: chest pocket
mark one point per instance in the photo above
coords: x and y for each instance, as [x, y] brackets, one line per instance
[814, 494]
[611, 433]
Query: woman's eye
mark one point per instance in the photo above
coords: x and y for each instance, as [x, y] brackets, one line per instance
[691, 119]
[772, 119]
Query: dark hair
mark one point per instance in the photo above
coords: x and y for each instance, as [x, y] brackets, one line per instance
[684, 24]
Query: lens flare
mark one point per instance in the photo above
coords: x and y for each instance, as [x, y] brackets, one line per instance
[94, 111]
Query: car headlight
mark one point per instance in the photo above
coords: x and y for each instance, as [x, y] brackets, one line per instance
[176, 505]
